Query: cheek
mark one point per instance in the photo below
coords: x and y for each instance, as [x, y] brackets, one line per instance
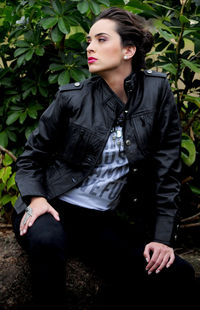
[113, 54]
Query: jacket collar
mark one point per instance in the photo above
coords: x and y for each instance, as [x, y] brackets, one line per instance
[129, 83]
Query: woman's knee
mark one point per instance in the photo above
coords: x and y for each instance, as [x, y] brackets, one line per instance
[46, 237]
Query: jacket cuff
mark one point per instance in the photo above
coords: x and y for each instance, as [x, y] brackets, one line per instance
[165, 230]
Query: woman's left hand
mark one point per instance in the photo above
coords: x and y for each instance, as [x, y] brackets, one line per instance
[158, 256]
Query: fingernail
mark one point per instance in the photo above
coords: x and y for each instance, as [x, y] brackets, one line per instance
[24, 231]
[147, 260]
[157, 271]
[168, 265]
[149, 272]
[30, 224]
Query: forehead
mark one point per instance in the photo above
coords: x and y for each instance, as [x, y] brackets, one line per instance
[106, 26]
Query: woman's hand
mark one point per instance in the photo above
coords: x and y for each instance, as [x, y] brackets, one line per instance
[158, 256]
[39, 206]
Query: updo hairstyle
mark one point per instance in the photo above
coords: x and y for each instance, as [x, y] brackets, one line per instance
[131, 29]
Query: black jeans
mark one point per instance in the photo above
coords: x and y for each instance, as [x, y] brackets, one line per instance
[114, 249]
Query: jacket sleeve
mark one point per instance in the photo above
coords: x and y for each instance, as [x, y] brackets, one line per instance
[167, 168]
[38, 148]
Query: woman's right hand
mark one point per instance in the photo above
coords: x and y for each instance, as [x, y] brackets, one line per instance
[39, 206]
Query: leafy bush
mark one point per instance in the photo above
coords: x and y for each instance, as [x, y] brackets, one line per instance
[42, 46]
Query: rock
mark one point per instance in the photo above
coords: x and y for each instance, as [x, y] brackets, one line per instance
[82, 282]
[15, 278]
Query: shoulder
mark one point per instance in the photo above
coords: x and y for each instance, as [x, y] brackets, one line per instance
[77, 86]
[151, 73]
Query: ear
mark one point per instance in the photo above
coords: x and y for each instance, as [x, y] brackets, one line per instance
[129, 51]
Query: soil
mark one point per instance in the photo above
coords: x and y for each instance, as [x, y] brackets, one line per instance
[82, 282]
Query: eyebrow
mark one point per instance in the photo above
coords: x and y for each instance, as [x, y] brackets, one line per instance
[98, 34]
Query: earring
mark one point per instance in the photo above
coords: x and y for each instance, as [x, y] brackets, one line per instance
[125, 57]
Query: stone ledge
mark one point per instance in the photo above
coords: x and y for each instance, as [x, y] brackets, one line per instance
[15, 279]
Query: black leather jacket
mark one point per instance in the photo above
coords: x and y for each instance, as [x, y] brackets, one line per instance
[72, 134]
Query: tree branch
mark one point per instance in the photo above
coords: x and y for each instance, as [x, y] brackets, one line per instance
[8, 152]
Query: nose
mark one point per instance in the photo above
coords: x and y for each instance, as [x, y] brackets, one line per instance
[90, 47]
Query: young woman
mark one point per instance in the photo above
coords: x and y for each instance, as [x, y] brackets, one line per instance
[106, 149]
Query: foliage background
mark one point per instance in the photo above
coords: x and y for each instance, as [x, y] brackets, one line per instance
[42, 46]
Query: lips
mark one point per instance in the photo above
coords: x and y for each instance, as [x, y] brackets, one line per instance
[91, 60]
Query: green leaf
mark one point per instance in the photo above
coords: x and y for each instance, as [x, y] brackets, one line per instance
[95, 8]
[11, 135]
[3, 138]
[188, 153]
[63, 78]
[22, 43]
[170, 68]
[195, 190]
[22, 117]
[183, 19]
[6, 173]
[20, 51]
[147, 9]
[32, 112]
[167, 36]
[57, 6]
[56, 34]
[77, 75]
[48, 11]
[53, 78]
[11, 181]
[193, 99]
[5, 199]
[49, 22]
[7, 161]
[105, 2]
[13, 200]
[56, 67]
[20, 60]
[63, 26]
[39, 51]
[43, 91]
[29, 55]
[83, 6]
[194, 67]
[13, 117]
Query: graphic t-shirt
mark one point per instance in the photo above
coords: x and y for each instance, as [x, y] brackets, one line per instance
[101, 189]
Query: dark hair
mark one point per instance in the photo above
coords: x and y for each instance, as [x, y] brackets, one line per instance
[131, 29]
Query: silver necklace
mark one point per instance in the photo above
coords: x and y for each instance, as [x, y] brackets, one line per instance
[117, 137]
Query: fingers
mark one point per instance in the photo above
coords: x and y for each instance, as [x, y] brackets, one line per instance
[38, 208]
[161, 256]
[25, 224]
[53, 212]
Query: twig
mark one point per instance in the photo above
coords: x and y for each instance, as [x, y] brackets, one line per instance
[193, 217]
[190, 225]
[8, 152]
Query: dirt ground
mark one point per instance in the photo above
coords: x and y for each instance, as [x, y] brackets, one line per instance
[82, 282]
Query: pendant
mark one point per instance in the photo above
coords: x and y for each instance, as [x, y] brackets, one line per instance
[118, 133]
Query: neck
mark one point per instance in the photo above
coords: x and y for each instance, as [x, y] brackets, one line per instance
[116, 83]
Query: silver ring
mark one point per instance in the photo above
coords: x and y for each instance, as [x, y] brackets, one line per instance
[28, 213]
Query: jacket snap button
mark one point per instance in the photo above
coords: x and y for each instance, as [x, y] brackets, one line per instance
[73, 180]
[149, 71]
[128, 142]
[77, 84]
[135, 200]
[135, 170]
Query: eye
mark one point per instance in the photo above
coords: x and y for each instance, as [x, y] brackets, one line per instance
[102, 39]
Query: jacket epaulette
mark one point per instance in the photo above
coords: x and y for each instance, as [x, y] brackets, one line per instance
[71, 86]
[155, 73]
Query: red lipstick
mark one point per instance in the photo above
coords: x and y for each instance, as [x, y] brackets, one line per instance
[91, 60]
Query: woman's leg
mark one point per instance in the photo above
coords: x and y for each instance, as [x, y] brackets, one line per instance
[45, 242]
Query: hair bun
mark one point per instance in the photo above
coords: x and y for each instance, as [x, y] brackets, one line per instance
[148, 41]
